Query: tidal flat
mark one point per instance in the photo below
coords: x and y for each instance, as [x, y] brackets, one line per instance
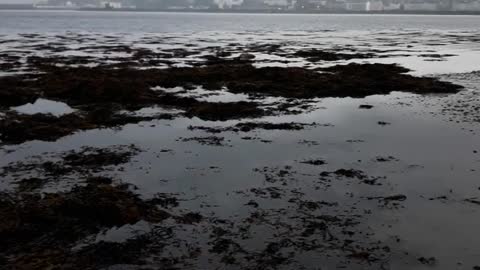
[324, 149]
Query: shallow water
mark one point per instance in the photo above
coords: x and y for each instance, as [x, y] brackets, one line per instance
[44, 106]
[434, 144]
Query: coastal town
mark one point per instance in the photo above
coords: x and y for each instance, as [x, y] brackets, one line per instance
[262, 5]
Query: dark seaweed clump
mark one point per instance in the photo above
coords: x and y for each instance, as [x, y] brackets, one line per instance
[249, 126]
[132, 87]
[315, 55]
[101, 93]
[39, 232]
[86, 161]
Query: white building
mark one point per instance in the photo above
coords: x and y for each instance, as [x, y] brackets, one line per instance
[374, 5]
[222, 4]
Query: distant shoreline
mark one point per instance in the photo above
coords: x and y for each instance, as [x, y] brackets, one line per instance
[254, 11]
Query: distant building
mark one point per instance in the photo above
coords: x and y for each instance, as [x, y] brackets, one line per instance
[419, 5]
[375, 5]
[337, 5]
[318, 4]
[356, 5]
[223, 4]
[49, 5]
[299, 5]
[277, 3]
[203, 4]
[392, 6]
[110, 5]
[460, 5]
